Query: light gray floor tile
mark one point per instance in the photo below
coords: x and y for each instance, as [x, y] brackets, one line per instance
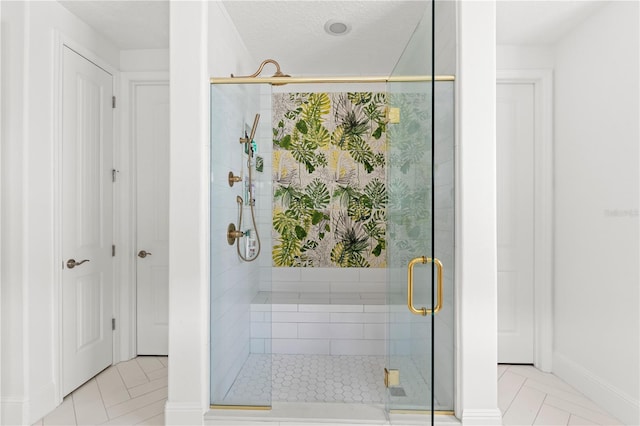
[134, 392]
[149, 363]
[148, 387]
[549, 415]
[158, 374]
[522, 386]
[132, 373]
[154, 421]
[137, 403]
[525, 407]
[112, 387]
[64, 414]
[139, 415]
[88, 404]
[508, 387]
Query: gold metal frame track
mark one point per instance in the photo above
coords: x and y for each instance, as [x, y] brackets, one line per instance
[240, 407]
[317, 80]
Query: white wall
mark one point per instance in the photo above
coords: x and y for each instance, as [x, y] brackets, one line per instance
[144, 60]
[515, 57]
[596, 278]
[30, 385]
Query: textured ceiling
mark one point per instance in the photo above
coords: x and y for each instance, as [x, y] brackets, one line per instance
[292, 32]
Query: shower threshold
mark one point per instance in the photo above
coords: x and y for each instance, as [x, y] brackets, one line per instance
[322, 413]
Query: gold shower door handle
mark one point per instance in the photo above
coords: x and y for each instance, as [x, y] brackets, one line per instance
[423, 311]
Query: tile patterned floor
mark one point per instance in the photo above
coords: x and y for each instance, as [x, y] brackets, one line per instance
[135, 391]
[129, 393]
[527, 396]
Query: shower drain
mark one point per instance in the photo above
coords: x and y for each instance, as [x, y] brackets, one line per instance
[397, 391]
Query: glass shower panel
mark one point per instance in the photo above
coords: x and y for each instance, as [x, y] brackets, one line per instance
[240, 319]
[444, 249]
[421, 192]
[409, 237]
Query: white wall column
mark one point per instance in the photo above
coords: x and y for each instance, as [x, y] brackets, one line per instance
[188, 222]
[476, 214]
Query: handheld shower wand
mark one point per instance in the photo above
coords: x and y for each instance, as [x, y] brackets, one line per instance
[239, 234]
[248, 139]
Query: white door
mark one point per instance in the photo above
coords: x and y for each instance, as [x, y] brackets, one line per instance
[87, 153]
[152, 165]
[515, 180]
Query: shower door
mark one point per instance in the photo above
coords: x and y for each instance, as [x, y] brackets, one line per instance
[420, 361]
[412, 267]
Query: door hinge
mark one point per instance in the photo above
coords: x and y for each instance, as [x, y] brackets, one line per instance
[113, 324]
[113, 250]
[113, 102]
[114, 173]
[391, 378]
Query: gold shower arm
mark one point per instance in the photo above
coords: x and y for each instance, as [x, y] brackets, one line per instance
[257, 73]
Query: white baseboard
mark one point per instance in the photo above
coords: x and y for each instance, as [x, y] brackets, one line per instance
[482, 417]
[616, 402]
[183, 413]
[42, 402]
[13, 411]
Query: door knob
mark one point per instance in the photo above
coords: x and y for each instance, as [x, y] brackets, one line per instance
[71, 263]
[143, 254]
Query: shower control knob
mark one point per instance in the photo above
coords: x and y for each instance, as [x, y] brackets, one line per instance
[233, 179]
[142, 254]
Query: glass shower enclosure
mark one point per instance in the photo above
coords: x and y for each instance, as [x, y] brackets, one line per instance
[270, 322]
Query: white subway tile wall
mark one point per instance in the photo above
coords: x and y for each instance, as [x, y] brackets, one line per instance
[235, 283]
[331, 329]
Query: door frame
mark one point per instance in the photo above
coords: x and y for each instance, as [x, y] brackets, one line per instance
[60, 41]
[542, 80]
[126, 228]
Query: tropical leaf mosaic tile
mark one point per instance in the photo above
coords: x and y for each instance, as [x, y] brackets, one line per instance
[329, 174]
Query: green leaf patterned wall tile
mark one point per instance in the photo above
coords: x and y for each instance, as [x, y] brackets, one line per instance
[330, 195]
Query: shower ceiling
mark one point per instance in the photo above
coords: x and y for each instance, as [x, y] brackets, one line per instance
[293, 33]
